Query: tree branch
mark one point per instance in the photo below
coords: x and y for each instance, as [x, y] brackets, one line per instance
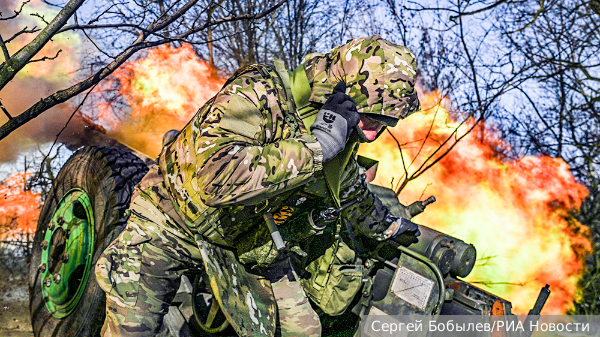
[5, 111]
[4, 49]
[495, 4]
[41, 17]
[139, 44]
[35, 29]
[104, 26]
[95, 45]
[97, 18]
[532, 21]
[50, 4]
[595, 5]
[13, 65]
[45, 58]
[63, 95]
[226, 19]
[16, 12]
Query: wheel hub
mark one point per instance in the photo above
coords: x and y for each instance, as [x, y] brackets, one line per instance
[67, 253]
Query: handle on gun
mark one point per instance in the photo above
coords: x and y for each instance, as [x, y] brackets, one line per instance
[277, 239]
[330, 214]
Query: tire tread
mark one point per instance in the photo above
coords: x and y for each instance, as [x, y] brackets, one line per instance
[115, 174]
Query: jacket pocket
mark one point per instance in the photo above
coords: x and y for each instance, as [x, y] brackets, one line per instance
[124, 270]
[333, 289]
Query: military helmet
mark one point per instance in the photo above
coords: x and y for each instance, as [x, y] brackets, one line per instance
[379, 75]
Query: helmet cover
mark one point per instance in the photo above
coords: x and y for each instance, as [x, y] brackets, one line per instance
[379, 76]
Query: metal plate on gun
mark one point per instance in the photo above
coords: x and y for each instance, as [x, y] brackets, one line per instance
[412, 287]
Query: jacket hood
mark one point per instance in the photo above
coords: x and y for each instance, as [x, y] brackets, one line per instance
[379, 76]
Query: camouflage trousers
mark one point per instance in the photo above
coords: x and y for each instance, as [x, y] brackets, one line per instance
[141, 271]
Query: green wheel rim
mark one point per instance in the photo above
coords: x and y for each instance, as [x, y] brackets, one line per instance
[67, 253]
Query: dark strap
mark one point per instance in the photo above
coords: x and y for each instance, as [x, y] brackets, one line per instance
[297, 82]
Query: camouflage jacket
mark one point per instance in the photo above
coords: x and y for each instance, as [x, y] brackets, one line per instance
[237, 159]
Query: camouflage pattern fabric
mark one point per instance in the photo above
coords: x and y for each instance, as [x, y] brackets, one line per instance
[380, 76]
[297, 317]
[235, 160]
[140, 271]
[247, 299]
[238, 150]
[236, 155]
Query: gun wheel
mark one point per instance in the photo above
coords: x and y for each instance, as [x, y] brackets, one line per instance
[83, 212]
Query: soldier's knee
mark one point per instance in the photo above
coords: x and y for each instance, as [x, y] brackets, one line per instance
[309, 329]
[312, 324]
[314, 331]
[300, 322]
[123, 320]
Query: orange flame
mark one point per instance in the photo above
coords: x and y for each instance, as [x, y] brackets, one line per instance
[515, 212]
[164, 90]
[19, 207]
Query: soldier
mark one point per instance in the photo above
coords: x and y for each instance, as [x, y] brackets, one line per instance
[271, 144]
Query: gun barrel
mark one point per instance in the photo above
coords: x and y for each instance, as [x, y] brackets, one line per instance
[541, 300]
[428, 201]
[451, 255]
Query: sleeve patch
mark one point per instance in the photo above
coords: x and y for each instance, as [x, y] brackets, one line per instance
[241, 117]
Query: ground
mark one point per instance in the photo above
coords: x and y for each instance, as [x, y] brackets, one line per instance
[14, 306]
[14, 294]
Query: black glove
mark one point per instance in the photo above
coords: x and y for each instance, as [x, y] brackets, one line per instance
[400, 226]
[335, 122]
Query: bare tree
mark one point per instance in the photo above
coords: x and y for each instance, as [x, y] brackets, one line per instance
[557, 110]
[125, 28]
[298, 28]
[455, 62]
[240, 43]
[560, 91]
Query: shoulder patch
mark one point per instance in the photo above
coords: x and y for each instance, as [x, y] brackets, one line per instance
[241, 117]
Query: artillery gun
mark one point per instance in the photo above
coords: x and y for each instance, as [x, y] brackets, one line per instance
[87, 208]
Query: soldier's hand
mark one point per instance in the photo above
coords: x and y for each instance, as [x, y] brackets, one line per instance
[400, 226]
[335, 122]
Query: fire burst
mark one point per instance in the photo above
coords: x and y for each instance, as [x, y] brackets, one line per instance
[163, 90]
[19, 207]
[517, 213]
